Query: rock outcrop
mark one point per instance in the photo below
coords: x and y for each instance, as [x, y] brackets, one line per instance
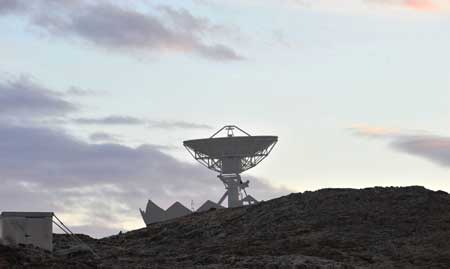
[331, 228]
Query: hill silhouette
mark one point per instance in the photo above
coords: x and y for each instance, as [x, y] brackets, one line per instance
[407, 227]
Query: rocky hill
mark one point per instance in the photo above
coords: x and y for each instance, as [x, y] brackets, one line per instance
[331, 228]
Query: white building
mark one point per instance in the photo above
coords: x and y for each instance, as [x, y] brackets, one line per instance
[33, 228]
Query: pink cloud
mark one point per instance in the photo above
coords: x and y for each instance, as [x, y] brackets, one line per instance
[417, 5]
[434, 148]
[422, 5]
[373, 131]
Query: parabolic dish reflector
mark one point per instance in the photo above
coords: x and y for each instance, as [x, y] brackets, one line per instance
[237, 146]
[231, 154]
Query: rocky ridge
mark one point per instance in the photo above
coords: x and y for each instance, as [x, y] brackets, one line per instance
[406, 227]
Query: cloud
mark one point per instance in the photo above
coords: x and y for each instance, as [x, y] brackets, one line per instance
[118, 28]
[346, 6]
[177, 125]
[183, 19]
[423, 5]
[419, 5]
[11, 6]
[373, 131]
[128, 120]
[22, 97]
[103, 137]
[433, 148]
[98, 184]
[110, 120]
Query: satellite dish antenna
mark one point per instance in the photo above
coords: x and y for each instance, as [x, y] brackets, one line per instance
[231, 155]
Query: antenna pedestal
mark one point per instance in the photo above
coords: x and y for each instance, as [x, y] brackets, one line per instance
[235, 191]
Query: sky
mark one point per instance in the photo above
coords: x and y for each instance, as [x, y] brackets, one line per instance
[96, 98]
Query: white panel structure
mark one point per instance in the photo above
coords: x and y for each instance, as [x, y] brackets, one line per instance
[177, 210]
[153, 213]
[33, 228]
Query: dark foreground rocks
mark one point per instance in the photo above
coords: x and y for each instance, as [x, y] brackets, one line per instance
[331, 228]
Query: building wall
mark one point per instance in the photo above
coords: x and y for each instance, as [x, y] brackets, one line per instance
[24, 230]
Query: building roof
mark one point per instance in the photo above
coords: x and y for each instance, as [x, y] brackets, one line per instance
[27, 214]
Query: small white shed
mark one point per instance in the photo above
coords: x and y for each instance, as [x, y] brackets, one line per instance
[35, 228]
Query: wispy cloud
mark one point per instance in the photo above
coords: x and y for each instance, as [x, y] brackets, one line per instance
[349, 5]
[431, 147]
[123, 29]
[416, 5]
[129, 120]
[428, 146]
[177, 125]
[374, 131]
[103, 137]
[110, 120]
[22, 97]
[423, 5]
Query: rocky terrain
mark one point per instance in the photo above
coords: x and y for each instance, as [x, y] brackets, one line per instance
[331, 228]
